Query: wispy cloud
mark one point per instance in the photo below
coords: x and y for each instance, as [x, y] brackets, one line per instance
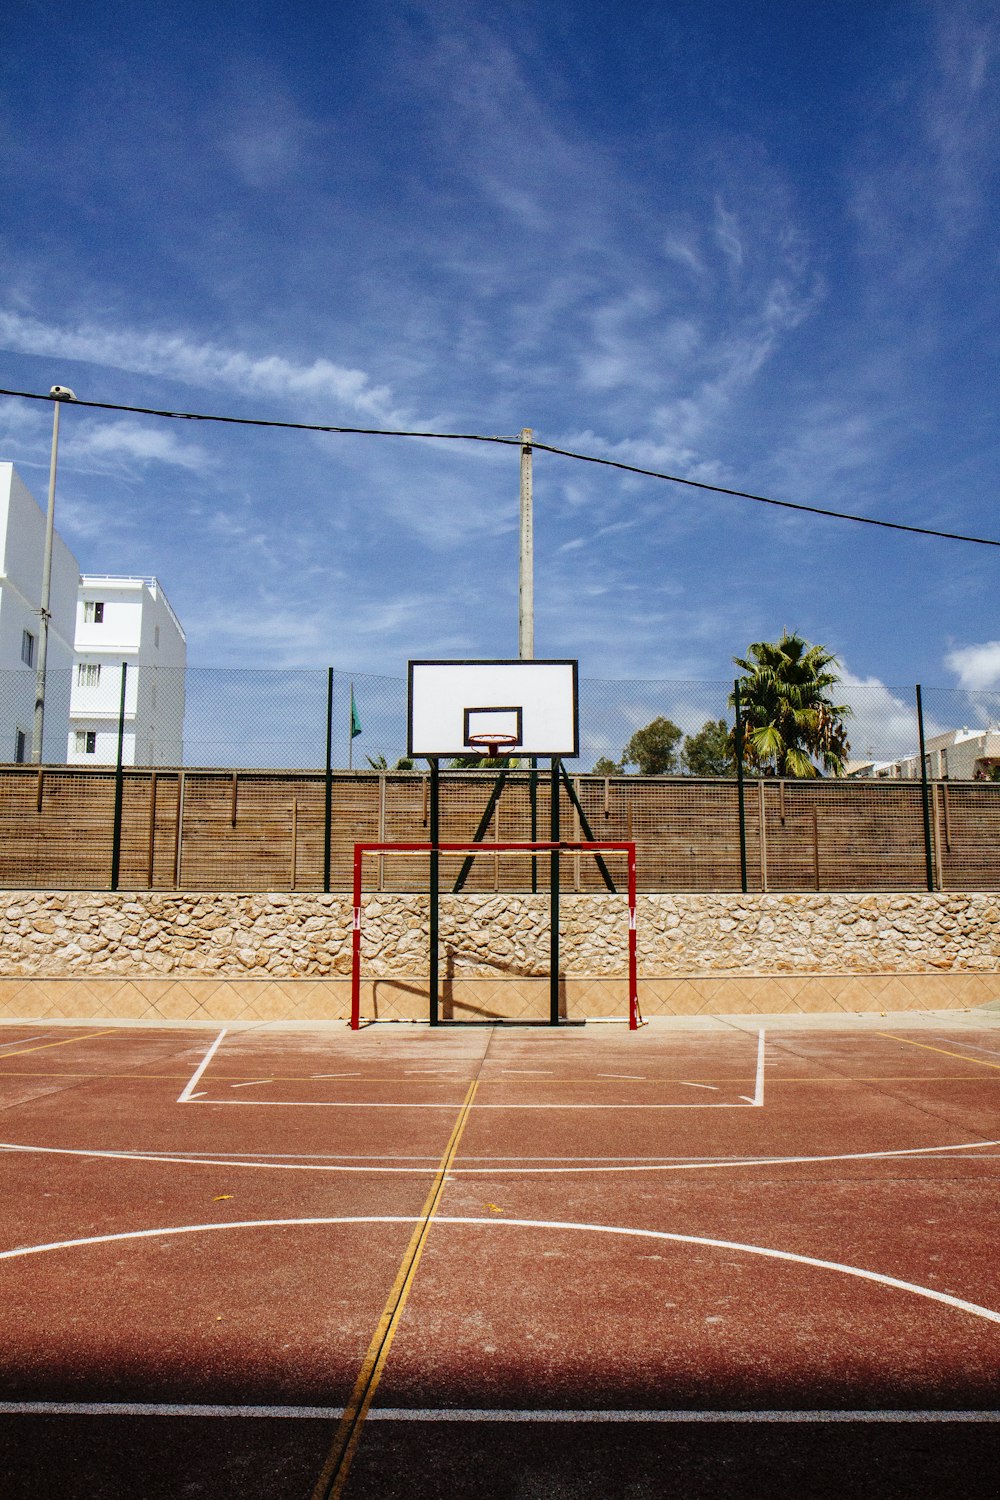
[177, 356]
[126, 445]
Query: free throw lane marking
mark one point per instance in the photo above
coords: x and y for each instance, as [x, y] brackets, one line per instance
[186, 1092]
[333, 1475]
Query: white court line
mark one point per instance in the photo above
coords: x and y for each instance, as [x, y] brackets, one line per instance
[595, 1164]
[757, 1102]
[453, 1105]
[550, 1226]
[186, 1093]
[476, 1414]
[969, 1046]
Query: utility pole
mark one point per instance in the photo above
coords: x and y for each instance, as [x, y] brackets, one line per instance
[526, 576]
[59, 393]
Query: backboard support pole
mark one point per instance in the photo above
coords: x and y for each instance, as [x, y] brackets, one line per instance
[554, 896]
[435, 883]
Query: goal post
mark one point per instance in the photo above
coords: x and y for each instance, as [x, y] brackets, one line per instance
[472, 847]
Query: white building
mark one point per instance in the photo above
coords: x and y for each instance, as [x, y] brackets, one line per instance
[959, 755]
[130, 621]
[22, 547]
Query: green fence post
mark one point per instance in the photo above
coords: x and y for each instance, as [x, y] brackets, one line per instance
[925, 793]
[739, 787]
[328, 805]
[116, 836]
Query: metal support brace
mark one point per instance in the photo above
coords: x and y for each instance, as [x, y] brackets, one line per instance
[480, 833]
[588, 832]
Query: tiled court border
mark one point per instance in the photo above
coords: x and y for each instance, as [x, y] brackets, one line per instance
[250, 1000]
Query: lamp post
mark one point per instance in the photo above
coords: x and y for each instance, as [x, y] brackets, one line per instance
[59, 394]
[526, 580]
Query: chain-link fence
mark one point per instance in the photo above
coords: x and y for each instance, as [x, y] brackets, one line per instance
[263, 719]
[262, 780]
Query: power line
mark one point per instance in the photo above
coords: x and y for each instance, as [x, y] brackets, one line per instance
[812, 510]
[514, 442]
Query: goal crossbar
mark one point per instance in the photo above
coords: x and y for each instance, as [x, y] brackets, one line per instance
[518, 847]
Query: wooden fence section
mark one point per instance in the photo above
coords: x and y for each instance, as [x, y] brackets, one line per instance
[267, 830]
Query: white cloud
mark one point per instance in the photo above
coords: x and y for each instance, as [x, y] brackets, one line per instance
[115, 443]
[976, 667]
[175, 356]
[883, 725]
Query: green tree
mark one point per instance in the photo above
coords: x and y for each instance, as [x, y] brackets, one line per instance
[379, 763]
[710, 751]
[484, 763]
[789, 721]
[606, 767]
[654, 749]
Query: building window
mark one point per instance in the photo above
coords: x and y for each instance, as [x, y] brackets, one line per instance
[27, 648]
[20, 747]
[88, 674]
[156, 636]
[86, 741]
[93, 612]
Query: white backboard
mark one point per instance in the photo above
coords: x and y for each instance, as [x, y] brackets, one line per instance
[533, 701]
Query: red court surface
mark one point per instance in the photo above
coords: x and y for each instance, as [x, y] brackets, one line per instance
[486, 1261]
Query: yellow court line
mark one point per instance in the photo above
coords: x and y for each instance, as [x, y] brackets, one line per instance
[926, 1047]
[333, 1477]
[23, 1051]
[892, 1077]
[109, 1077]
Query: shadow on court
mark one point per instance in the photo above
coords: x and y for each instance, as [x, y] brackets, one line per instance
[525, 1264]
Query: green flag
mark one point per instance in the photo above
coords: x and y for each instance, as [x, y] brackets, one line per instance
[355, 720]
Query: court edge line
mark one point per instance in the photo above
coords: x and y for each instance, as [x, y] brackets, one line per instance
[185, 1095]
[67, 1042]
[925, 1153]
[926, 1047]
[333, 1476]
[946, 1299]
[484, 1414]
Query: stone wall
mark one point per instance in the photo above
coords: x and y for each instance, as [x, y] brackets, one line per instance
[60, 934]
[834, 945]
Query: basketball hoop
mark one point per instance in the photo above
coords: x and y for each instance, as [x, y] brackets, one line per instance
[490, 743]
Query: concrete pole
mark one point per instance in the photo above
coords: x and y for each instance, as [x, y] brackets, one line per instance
[61, 394]
[526, 576]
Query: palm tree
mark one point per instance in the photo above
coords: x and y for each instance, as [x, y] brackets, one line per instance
[789, 721]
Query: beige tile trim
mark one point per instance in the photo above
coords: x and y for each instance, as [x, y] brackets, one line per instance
[262, 1000]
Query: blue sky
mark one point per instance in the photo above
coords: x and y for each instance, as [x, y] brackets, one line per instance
[752, 243]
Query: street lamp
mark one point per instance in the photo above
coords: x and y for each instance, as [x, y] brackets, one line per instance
[59, 394]
[526, 576]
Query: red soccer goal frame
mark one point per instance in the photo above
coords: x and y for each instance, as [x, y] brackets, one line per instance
[590, 847]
